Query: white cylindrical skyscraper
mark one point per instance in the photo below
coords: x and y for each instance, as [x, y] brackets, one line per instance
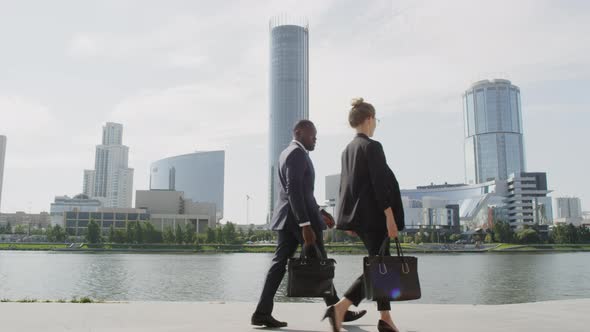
[289, 88]
[494, 145]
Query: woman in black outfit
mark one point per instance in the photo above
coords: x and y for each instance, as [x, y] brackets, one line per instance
[370, 205]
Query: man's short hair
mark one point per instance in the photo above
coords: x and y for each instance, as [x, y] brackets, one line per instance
[302, 124]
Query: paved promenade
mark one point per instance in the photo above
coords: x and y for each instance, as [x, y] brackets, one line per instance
[554, 316]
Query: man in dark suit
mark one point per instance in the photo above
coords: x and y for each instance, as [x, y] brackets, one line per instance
[297, 218]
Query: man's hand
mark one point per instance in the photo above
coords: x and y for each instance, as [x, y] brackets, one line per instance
[308, 235]
[328, 219]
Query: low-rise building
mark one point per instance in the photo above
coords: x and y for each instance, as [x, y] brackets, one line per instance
[520, 200]
[568, 210]
[76, 222]
[168, 208]
[33, 220]
[63, 204]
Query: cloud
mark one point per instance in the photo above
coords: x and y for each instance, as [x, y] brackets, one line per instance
[22, 116]
[83, 45]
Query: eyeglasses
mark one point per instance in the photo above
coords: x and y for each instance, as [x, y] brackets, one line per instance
[378, 120]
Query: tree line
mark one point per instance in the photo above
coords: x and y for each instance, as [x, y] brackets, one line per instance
[145, 233]
[560, 234]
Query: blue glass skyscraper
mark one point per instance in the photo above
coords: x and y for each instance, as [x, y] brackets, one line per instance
[494, 145]
[200, 175]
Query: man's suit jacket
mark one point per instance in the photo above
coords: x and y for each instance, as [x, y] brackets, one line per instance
[296, 203]
[367, 188]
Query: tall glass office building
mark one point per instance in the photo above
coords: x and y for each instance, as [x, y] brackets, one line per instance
[199, 175]
[289, 88]
[494, 146]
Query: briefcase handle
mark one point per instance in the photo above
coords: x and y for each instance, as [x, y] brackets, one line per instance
[400, 253]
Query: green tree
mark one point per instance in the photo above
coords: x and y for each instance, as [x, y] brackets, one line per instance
[408, 239]
[503, 232]
[489, 238]
[219, 235]
[189, 234]
[111, 237]
[151, 234]
[210, 235]
[433, 236]
[584, 234]
[455, 237]
[229, 233]
[527, 236]
[56, 234]
[250, 232]
[120, 236]
[201, 238]
[419, 237]
[179, 234]
[139, 233]
[93, 235]
[572, 234]
[168, 235]
[20, 229]
[130, 232]
[8, 228]
[559, 234]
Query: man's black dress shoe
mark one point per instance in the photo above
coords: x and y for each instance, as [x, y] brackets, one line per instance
[266, 320]
[351, 316]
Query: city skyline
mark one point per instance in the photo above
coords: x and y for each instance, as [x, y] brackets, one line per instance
[162, 81]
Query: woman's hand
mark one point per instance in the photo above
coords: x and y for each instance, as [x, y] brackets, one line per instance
[392, 231]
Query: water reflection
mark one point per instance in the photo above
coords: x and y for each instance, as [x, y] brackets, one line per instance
[459, 278]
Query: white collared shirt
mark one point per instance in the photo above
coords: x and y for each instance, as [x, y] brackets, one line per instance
[300, 145]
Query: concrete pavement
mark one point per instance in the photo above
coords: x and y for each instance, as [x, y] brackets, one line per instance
[562, 316]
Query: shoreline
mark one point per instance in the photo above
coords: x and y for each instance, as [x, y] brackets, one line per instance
[354, 249]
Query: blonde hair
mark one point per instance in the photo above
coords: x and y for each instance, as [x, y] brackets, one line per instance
[360, 112]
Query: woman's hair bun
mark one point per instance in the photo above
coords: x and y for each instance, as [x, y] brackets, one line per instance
[357, 101]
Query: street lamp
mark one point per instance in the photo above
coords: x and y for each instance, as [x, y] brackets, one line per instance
[247, 209]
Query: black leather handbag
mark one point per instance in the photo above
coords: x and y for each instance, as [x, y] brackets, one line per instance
[393, 278]
[310, 276]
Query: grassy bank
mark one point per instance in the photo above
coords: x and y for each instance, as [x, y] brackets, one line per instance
[32, 246]
[84, 299]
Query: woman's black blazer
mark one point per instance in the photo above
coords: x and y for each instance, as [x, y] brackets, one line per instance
[367, 188]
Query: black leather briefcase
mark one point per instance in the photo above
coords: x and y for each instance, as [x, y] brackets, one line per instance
[393, 278]
[310, 276]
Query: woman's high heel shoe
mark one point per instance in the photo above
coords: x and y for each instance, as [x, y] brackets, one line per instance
[331, 315]
[384, 327]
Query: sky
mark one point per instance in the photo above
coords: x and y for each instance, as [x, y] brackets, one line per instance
[183, 76]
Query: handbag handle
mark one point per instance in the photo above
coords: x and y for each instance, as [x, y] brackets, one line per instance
[303, 254]
[398, 247]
